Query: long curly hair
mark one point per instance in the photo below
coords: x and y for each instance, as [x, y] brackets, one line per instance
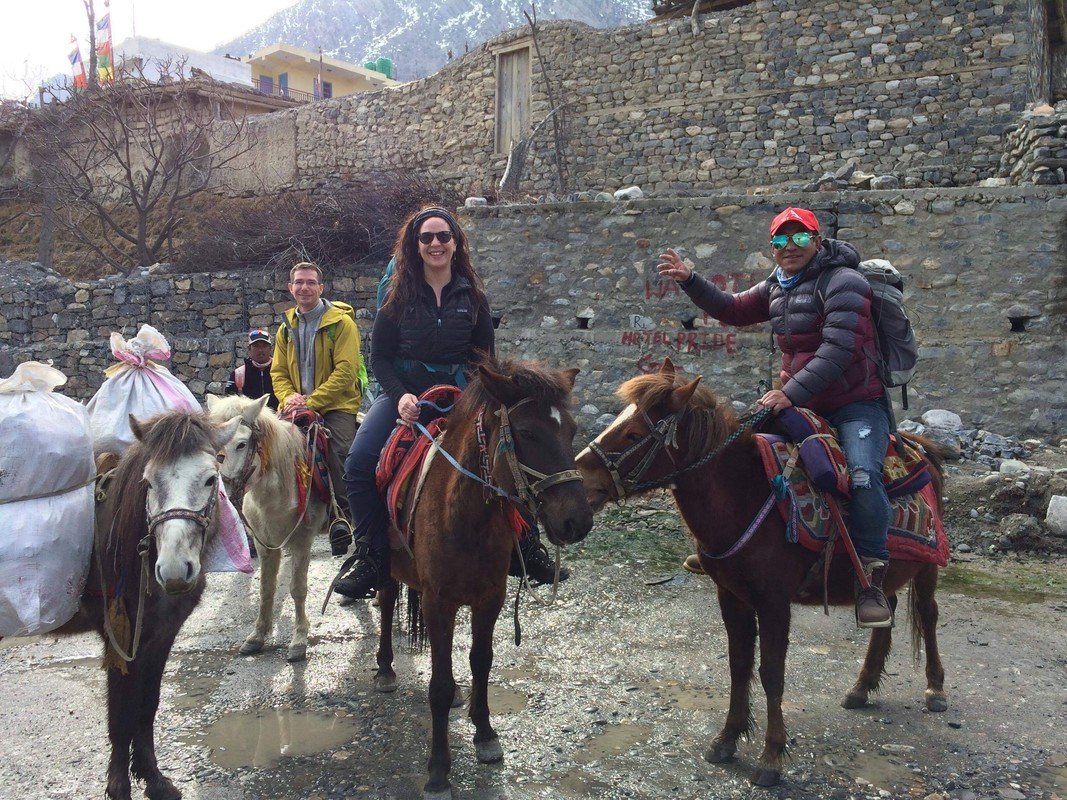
[408, 276]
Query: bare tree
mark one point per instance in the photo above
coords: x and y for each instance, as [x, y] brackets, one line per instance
[123, 158]
[558, 123]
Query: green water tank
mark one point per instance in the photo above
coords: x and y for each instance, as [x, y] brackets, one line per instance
[385, 66]
[370, 65]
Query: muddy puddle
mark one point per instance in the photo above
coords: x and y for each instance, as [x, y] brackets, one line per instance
[690, 698]
[1005, 583]
[263, 737]
[503, 700]
[614, 740]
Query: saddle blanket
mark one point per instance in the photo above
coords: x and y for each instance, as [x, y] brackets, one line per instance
[313, 471]
[915, 529]
[403, 465]
[402, 461]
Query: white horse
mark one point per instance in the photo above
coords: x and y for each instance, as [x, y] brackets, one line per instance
[261, 462]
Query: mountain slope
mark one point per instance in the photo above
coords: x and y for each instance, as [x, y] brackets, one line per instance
[415, 34]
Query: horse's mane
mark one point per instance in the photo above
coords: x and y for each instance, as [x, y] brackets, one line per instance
[711, 420]
[166, 437]
[528, 379]
[283, 445]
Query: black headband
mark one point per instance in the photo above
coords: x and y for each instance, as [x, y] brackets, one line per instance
[436, 211]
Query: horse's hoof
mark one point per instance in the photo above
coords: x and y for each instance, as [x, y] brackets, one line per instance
[297, 653]
[720, 754]
[936, 701]
[251, 647]
[766, 778]
[854, 700]
[385, 683]
[489, 751]
[440, 794]
[164, 790]
[457, 698]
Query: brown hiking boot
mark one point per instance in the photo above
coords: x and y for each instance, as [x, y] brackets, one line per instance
[872, 606]
[692, 564]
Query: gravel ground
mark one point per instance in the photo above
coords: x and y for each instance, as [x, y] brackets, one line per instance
[615, 692]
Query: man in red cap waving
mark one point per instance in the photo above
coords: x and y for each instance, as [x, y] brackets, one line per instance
[829, 364]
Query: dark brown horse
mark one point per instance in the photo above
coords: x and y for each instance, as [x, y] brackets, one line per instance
[512, 428]
[155, 514]
[675, 432]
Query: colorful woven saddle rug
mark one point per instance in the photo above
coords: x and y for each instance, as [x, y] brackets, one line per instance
[403, 464]
[313, 472]
[808, 454]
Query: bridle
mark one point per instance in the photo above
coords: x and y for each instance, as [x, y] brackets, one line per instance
[662, 435]
[202, 518]
[529, 494]
[239, 485]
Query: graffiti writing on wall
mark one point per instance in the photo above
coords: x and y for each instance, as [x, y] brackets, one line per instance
[658, 288]
[681, 342]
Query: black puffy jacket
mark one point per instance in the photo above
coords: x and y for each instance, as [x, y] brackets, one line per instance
[428, 334]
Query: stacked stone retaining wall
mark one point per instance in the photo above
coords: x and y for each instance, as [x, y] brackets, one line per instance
[972, 259]
[770, 94]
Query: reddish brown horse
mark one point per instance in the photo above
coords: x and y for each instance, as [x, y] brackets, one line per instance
[512, 428]
[677, 433]
[155, 514]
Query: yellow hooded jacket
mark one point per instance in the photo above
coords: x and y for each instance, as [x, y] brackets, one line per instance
[338, 361]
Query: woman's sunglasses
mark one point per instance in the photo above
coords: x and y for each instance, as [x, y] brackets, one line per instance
[444, 237]
[800, 239]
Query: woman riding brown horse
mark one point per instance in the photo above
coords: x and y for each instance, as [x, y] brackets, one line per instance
[677, 433]
[511, 432]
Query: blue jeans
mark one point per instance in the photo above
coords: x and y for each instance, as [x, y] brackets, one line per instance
[369, 517]
[863, 430]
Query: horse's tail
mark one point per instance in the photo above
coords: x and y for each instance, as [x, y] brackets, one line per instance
[920, 596]
[936, 454]
[416, 625]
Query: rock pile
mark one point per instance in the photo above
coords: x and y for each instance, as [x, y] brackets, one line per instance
[974, 444]
[1036, 149]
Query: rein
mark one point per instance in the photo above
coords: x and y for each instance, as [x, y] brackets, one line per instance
[663, 434]
[202, 518]
[528, 495]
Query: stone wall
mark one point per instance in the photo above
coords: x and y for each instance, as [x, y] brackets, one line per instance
[205, 317]
[1036, 149]
[972, 259]
[770, 94]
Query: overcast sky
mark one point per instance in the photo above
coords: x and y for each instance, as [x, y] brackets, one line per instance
[35, 35]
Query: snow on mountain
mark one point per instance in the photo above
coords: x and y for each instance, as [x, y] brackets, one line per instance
[416, 34]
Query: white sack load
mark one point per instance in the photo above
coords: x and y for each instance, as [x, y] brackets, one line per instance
[138, 385]
[46, 501]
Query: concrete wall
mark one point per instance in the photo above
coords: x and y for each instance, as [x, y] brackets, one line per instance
[969, 255]
[766, 94]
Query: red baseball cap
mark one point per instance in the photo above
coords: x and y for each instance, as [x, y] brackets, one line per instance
[801, 215]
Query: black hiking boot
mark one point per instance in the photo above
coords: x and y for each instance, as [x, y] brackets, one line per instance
[369, 572]
[540, 566]
[872, 606]
[340, 536]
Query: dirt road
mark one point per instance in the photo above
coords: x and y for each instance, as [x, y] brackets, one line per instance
[615, 693]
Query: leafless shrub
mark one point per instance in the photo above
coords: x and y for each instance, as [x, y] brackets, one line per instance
[340, 226]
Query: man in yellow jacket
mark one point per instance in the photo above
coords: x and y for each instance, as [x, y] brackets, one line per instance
[317, 364]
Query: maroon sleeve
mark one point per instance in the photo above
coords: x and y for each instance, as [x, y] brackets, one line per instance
[745, 308]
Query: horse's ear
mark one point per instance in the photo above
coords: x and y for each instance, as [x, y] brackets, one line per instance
[211, 401]
[496, 384]
[135, 426]
[569, 375]
[667, 368]
[680, 396]
[253, 410]
[226, 431]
